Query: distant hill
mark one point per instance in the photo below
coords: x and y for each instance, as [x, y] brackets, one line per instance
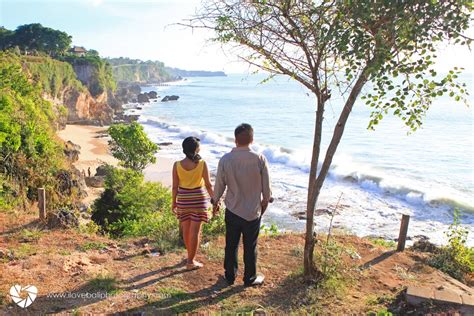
[194, 73]
[135, 70]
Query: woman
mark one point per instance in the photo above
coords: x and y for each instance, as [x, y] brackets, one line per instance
[190, 200]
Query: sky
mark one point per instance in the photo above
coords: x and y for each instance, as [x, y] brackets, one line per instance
[145, 29]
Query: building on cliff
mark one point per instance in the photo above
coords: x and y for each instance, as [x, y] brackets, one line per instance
[78, 51]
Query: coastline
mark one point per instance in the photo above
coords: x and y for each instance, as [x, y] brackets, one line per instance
[95, 151]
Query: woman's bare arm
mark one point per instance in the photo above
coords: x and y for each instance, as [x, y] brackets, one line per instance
[207, 180]
[175, 186]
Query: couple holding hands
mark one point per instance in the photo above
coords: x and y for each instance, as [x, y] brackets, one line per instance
[244, 174]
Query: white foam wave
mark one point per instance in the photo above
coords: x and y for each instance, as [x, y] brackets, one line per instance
[343, 169]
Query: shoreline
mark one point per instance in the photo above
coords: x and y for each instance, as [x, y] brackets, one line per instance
[95, 151]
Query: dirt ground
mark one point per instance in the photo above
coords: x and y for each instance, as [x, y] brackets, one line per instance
[79, 273]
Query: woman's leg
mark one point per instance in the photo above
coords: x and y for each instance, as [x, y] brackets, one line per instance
[185, 228]
[194, 237]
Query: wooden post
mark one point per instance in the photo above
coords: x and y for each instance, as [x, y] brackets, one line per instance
[42, 203]
[402, 237]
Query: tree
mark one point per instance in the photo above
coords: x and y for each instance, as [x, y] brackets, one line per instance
[34, 36]
[132, 146]
[344, 45]
[5, 38]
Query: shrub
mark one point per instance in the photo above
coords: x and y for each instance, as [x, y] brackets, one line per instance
[215, 227]
[130, 206]
[455, 259]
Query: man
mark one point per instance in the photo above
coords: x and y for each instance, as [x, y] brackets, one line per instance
[245, 175]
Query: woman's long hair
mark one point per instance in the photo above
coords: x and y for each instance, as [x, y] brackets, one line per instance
[190, 146]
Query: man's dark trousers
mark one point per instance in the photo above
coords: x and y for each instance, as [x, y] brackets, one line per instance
[236, 226]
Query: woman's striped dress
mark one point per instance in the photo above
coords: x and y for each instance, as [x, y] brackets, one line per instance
[192, 200]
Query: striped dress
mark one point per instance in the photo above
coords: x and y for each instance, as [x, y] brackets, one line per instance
[192, 200]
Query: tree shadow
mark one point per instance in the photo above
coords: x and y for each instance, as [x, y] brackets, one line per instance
[187, 302]
[377, 260]
[90, 293]
[33, 224]
[289, 294]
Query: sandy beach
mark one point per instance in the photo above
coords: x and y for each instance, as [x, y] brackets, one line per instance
[93, 141]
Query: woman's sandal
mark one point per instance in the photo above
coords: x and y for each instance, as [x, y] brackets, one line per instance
[193, 266]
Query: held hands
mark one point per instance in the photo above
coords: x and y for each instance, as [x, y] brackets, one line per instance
[216, 206]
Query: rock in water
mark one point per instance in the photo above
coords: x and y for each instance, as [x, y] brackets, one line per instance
[152, 95]
[170, 98]
[143, 98]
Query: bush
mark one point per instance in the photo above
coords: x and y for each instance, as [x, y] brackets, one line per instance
[456, 259]
[130, 206]
[215, 227]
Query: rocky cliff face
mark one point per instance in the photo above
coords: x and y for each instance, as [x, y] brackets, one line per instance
[76, 87]
[82, 108]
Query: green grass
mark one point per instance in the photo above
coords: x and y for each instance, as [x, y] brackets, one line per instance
[297, 251]
[212, 251]
[30, 235]
[271, 230]
[64, 252]
[390, 244]
[173, 293]
[104, 283]
[92, 245]
[24, 251]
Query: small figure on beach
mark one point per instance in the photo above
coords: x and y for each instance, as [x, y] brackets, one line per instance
[190, 201]
[245, 175]
[89, 172]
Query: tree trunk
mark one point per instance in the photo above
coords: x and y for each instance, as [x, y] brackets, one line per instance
[309, 269]
[339, 130]
[316, 182]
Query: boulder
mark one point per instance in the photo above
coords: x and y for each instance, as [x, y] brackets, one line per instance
[170, 98]
[143, 98]
[62, 218]
[69, 180]
[72, 151]
[152, 94]
[101, 170]
[95, 181]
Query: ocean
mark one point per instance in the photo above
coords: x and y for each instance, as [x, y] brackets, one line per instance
[378, 175]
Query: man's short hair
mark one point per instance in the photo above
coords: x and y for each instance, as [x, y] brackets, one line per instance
[243, 134]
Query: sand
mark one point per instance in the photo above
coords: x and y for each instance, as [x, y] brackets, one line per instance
[93, 141]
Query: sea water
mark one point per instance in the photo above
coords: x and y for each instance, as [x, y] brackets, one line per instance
[377, 175]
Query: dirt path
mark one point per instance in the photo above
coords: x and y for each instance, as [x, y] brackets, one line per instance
[100, 275]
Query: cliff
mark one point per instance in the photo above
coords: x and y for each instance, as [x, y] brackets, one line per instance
[134, 70]
[79, 88]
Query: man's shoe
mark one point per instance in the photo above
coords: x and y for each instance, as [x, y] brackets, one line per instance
[258, 281]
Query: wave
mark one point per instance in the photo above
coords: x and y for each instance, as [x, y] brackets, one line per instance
[343, 169]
